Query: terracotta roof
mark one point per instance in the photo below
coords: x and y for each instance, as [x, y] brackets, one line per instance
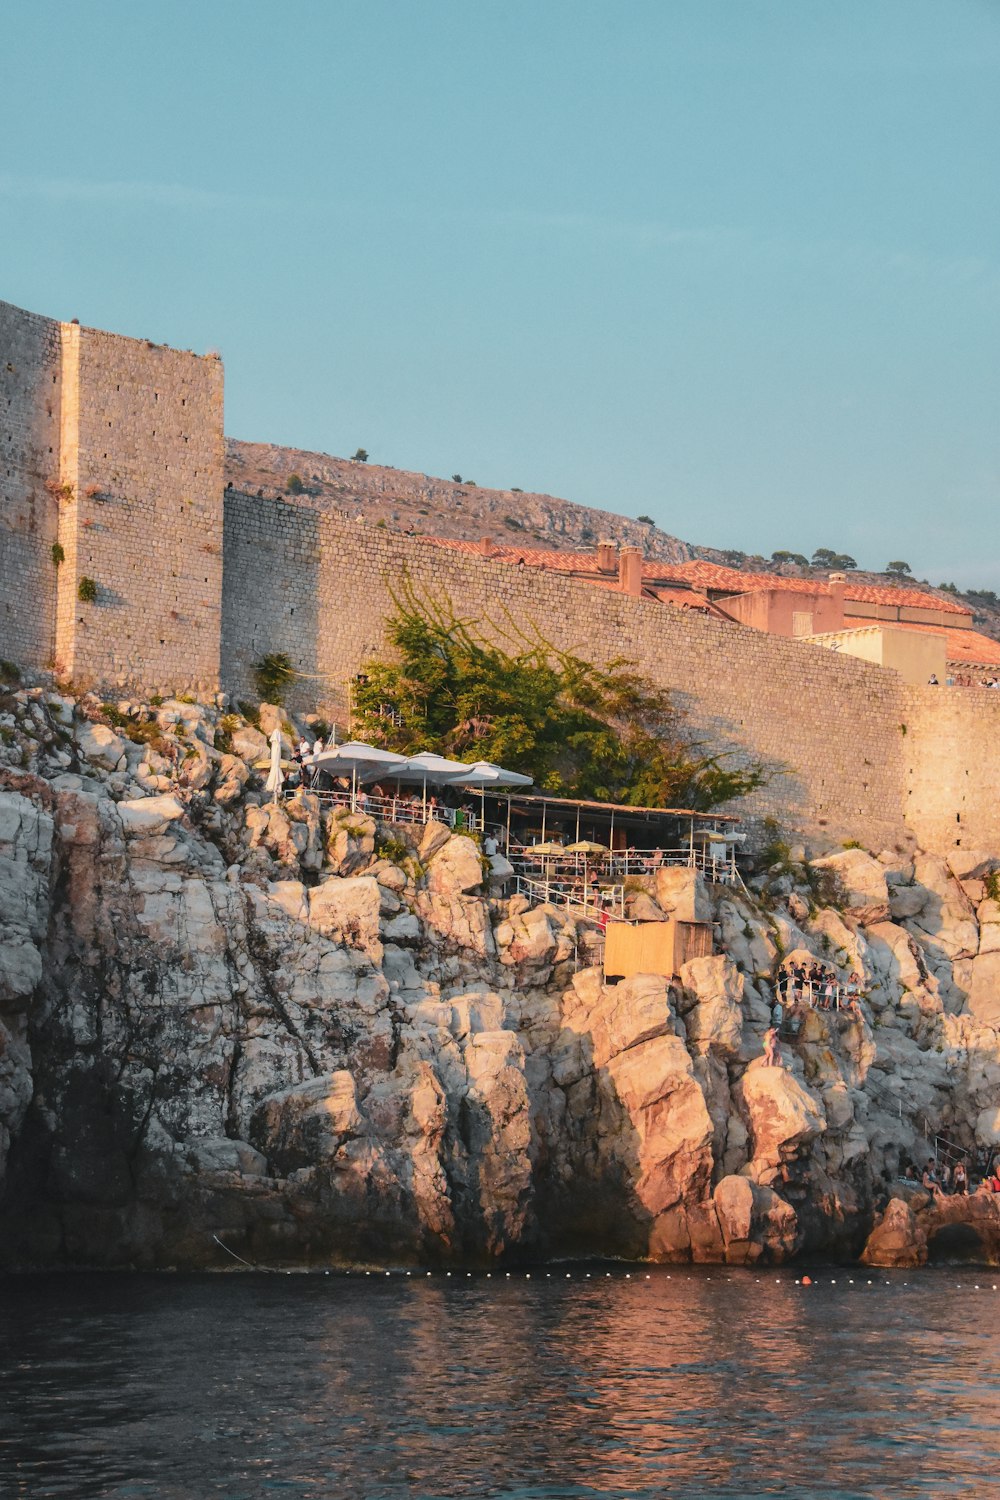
[701, 575]
[689, 599]
[714, 576]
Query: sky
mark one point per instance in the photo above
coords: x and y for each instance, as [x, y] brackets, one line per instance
[734, 264]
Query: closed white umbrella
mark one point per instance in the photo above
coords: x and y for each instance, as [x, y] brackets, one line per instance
[275, 779]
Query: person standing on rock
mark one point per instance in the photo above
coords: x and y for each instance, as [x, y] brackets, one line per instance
[772, 1048]
[960, 1179]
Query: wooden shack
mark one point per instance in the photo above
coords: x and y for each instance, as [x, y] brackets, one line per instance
[653, 947]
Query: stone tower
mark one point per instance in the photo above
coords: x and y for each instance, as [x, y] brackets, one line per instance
[111, 490]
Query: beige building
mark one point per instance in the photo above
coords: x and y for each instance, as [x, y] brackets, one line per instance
[918, 656]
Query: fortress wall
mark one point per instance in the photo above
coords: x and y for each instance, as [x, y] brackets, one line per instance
[951, 752]
[143, 436]
[30, 401]
[317, 586]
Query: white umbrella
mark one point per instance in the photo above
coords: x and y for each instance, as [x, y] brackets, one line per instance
[431, 770]
[358, 759]
[484, 773]
[275, 779]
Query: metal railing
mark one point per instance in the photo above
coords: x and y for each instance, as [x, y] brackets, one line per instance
[626, 862]
[584, 903]
[821, 994]
[395, 809]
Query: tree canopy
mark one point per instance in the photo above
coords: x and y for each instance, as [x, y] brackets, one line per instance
[579, 729]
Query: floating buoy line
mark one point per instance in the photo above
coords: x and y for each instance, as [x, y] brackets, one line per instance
[805, 1280]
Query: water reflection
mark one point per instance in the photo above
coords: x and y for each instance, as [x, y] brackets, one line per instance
[684, 1385]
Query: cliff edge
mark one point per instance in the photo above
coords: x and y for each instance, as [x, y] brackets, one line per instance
[234, 1028]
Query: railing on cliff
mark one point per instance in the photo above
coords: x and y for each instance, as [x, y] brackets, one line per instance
[627, 862]
[396, 809]
[597, 907]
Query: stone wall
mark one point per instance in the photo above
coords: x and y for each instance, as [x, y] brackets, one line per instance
[318, 587]
[951, 748]
[143, 451]
[30, 405]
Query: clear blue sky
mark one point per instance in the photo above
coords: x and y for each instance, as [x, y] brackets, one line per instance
[732, 263]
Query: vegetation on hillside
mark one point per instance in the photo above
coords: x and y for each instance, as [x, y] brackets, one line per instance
[581, 730]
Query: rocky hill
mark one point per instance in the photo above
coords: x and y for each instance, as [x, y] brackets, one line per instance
[424, 505]
[232, 1028]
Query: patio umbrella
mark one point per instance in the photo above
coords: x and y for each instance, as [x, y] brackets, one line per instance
[431, 770]
[587, 847]
[485, 774]
[275, 779]
[546, 850]
[357, 759]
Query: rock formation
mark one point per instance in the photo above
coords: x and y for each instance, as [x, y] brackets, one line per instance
[234, 1027]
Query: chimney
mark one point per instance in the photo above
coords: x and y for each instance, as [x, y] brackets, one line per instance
[630, 571]
[837, 581]
[607, 556]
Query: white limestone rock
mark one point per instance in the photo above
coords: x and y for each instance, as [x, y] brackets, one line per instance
[862, 879]
[100, 744]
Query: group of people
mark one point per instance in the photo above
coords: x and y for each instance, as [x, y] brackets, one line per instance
[816, 984]
[964, 679]
[946, 1179]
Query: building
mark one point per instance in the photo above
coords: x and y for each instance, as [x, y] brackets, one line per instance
[845, 614]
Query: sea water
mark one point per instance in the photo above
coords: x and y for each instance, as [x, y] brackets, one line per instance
[558, 1382]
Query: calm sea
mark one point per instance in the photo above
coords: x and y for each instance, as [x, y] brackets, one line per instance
[711, 1383]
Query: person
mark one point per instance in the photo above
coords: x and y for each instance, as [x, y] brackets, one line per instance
[932, 680]
[830, 991]
[777, 1013]
[910, 1175]
[930, 1179]
[490, 846]
[945, 1177]
[317, 747]
[960, 1178]
[303, 749]
[772, 1048]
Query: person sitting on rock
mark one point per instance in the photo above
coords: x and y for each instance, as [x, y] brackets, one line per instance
[910, 1175]
[930, 1180]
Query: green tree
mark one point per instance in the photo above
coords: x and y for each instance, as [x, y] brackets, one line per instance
[843, 561]
[898, 567]
[581, 730]
[456, 478]
[823, 557]
[361, 456]
[272, 675]
[790, 557]
[294, 485]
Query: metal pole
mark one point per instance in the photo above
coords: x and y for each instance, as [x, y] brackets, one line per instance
[543, 820]
[508, 828]
[578, 822]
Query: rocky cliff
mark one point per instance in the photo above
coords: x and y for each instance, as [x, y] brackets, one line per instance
[231, 1027]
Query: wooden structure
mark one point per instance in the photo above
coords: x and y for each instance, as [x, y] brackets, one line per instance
[654, 947]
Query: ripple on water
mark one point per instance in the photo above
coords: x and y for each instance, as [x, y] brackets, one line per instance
[625, 1389]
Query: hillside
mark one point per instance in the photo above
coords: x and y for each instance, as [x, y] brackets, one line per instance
[422, 504]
